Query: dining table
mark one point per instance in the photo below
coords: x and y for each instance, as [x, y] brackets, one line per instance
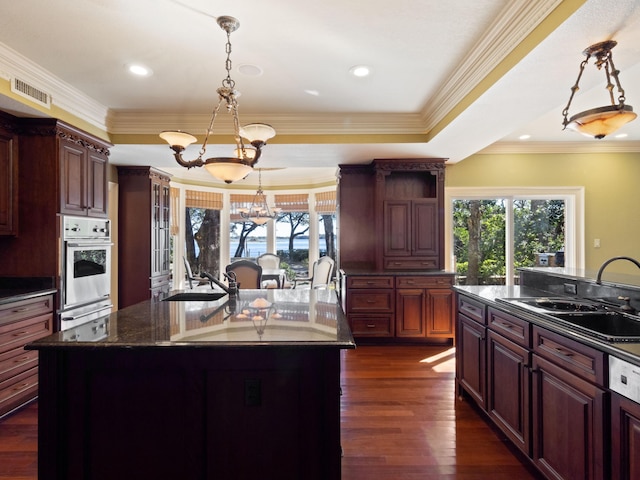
[277, 274]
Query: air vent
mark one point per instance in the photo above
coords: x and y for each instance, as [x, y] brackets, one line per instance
[34, 94]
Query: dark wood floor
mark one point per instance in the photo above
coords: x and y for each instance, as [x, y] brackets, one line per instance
[401, 420]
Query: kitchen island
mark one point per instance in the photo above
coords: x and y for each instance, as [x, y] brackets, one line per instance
[238, 388]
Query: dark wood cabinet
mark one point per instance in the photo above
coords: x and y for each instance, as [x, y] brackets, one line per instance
[371, 305]
[409, 208]
[625, 438]
[83, 180]
[509, 376]
[424, 306]
[8, 178]
[21, 322]
[568, 408]
[144, 240]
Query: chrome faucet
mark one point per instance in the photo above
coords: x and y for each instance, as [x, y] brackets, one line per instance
[232, 289]
[599, 277]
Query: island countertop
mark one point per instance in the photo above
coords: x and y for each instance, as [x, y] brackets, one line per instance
[256, 318]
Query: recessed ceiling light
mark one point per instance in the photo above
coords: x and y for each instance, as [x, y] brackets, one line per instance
[140, 70]
[526, 136]
[360, 71]
[250, 70]
[622, 135]
[314, 93]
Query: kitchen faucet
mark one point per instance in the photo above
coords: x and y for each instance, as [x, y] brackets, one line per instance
[232, 289]
[599, 277]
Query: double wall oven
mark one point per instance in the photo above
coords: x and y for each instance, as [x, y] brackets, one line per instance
[86, 270]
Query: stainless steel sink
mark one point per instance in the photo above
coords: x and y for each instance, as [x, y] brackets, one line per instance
[195, 297]
[611, 326]
[555, 304]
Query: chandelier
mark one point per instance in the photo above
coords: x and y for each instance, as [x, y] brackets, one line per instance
[602, 121]
[259, 211]
[237, 167]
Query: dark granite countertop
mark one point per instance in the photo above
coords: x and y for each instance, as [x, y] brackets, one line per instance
[10, 295]
[259, 318]
[371, 271]
[629, 351]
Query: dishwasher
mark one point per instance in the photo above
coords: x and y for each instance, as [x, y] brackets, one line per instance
[624, 378]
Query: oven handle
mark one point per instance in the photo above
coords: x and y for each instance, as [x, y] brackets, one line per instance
[84, 245]
[104, 307]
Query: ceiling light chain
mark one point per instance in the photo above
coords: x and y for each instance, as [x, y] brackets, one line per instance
[602, 121]
[234, 168]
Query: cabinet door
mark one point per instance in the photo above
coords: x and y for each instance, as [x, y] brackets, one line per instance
[471, 359]
[97, 193]
[625, 438]
[8, 184]
[425, 228]
[508, 381]
[397, 225]
[410, 313]
[568, 424]
[157, 243]
[439, 319]
[73, 185]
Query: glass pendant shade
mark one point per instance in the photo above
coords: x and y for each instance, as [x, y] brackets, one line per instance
[178, 138]
[600, 122]
[257, 132]
[228, 171]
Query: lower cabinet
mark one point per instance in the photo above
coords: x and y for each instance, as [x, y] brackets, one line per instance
[411, 307]
[545, 392]
[21, 322]
[625, 438]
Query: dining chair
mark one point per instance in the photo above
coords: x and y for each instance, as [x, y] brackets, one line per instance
[248, 273]
[321, 273]
[189, 274]
[269, 260]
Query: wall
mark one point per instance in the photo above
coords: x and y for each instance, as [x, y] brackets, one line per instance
[612, 193]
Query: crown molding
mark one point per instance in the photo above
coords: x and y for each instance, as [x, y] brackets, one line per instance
[135, 122]
[596, 146]
[515, 22]
[63, 96]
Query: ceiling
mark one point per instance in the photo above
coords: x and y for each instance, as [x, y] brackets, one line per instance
[449, 79]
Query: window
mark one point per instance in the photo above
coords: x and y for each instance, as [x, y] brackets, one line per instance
[494, 231]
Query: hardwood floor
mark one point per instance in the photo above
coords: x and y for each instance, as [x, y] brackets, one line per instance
[401, 420]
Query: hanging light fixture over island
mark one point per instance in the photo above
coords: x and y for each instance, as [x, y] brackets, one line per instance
[232, 168]
[602, 121]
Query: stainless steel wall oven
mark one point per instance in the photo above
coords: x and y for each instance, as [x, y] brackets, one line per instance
[86, 270]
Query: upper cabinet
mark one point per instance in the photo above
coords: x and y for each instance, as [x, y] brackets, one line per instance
[8, 178]
[74, 163]
[391, 215]
[83, 178]
[409, 201]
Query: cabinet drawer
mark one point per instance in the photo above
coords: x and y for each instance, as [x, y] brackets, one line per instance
[370, 301]
[413, 263]
[472, 309]
[369, 282]
[14, 311]
[18, 390]
[371, 325]
[18, 334]
[511, 327]
[17, 361]
[159, 281]
[423, 282]
[574, 357]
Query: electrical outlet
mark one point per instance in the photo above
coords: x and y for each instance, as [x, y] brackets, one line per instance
[570, 288]
[596, 243]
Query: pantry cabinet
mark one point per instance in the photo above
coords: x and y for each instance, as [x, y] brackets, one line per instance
[8, 178]
[144, 236]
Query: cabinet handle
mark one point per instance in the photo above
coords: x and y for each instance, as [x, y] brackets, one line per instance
[371, 325]
[562, 351]
[22, 359]
[19, 334]
[20, 310]
[504, 325]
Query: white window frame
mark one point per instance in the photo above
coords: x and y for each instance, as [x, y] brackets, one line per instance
[574, 219]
